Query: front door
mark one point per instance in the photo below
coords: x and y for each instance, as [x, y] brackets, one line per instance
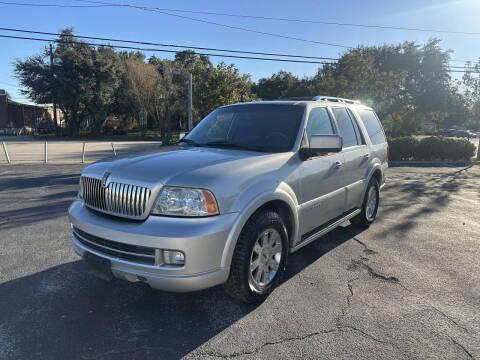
[322, 190]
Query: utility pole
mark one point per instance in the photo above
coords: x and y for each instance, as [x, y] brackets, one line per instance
[54, 90]
[190, 103]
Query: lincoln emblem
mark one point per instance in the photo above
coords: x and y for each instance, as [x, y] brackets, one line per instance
[105, 178]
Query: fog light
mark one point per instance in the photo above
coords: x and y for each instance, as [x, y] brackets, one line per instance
[173, 257]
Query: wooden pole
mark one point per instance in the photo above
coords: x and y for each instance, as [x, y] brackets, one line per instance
[53, 91]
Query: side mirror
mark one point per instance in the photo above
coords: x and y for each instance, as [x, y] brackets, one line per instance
[322, 144]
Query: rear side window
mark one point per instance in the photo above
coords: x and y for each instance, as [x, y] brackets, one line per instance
[373, 126]
[319, 123]
[345, 127]
[360, 138]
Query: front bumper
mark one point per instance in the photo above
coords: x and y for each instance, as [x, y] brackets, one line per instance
[203, 241]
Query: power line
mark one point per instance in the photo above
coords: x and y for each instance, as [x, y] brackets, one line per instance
[247, 16]
[188, 46]
[145, 8]
[53, 5]
[102, 4]
[461, 67]
[168, 45]
[173, 51]
[316, 21]
[163, 50]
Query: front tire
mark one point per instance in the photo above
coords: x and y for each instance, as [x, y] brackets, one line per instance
[369, 206]
[259, 258]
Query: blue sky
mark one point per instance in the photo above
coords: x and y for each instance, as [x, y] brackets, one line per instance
[125, 23]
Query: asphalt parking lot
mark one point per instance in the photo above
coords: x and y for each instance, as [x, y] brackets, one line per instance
[408, 287]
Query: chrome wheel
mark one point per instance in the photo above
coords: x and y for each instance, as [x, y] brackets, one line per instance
[371, 205]
[265, 258]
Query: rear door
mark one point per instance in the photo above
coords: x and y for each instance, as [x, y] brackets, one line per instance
[355, 156]
[378, 142]
[322, 192]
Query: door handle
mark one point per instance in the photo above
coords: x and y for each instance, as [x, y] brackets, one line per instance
[366, 156]
[337, 164]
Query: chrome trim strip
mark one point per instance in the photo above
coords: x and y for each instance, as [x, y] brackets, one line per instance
[112, 249]
[324, 230]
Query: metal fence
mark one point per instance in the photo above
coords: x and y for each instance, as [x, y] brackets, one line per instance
[71, 152]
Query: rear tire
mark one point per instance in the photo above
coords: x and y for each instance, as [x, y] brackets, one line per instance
[259, 258]
[369, 206]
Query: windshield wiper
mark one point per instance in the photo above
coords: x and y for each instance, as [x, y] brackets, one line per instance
[189, 142]
[232, 145]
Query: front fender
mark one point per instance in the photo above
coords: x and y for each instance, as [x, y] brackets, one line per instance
[250, 201]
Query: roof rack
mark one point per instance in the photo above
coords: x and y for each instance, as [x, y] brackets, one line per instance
[296, 98]
[335, 99]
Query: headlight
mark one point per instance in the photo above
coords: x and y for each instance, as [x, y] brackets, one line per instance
[80, 189]
[179, 201]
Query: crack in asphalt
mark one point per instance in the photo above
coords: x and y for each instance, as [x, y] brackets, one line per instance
[350, 288]
[366, 249]
[448, 317]
[268, 343]
[361, 262]
[355, 264]
[470, 356]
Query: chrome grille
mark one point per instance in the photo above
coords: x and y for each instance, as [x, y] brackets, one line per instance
[116, 198]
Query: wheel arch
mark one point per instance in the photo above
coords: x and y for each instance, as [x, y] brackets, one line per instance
[282, 201]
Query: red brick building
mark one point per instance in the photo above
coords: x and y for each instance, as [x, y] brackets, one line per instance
[18, 116]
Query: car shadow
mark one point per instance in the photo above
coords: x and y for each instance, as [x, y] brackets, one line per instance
[421, 196]
[66, 312]
[52, 195]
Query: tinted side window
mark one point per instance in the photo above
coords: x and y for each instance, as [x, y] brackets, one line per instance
[360, 138]
[373, 126]
[345, 127]
[319, 123]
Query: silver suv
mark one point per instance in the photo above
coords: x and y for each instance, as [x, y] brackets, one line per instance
[250, 184]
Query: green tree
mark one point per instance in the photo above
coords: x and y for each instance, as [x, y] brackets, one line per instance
[282, 85]
[83, 80]
[105, 79]
[407, 84]
[471, 83]
[141, 92]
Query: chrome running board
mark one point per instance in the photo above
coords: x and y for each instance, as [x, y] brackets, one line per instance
[324, 229]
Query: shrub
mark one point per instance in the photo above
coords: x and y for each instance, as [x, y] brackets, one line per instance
[170, 139]
[439, 148]
[430, 148]
[402, 148]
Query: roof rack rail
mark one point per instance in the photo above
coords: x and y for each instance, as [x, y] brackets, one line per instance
[335, 99]
[296, 98]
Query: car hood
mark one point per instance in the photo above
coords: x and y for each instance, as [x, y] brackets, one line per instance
[158, 167]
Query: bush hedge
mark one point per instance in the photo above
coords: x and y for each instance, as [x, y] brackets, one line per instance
[430, 148]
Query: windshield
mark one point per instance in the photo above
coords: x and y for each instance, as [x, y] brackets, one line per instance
[258, 127]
